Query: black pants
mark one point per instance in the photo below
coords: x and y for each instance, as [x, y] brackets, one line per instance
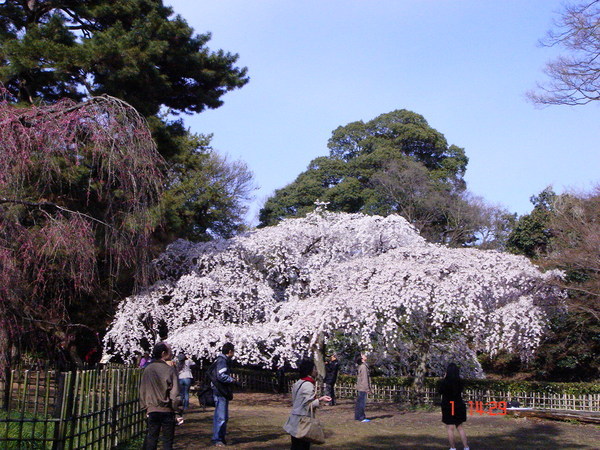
[359, 408]
[158, 421]
[299, 444]
[330, 390]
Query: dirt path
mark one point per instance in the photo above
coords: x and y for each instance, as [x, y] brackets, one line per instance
[256, 421]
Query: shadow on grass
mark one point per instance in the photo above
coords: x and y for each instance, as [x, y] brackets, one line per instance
[385, 416]
[541, 436]
[538, 437]
[264, 437]
[267, 437]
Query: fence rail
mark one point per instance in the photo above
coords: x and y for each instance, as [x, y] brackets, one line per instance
[581, 402]
[267, 381]
[92, 409]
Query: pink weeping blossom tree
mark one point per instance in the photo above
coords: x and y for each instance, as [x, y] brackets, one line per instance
[286, 291]
[78, 186]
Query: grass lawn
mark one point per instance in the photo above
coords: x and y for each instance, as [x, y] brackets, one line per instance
[256, 421]
[32, 429]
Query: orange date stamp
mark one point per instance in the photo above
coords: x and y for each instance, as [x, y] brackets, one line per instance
[484, 408]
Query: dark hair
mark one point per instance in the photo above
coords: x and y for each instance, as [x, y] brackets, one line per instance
[451, 384]
[306, 367]
[359, 360]
[227, 347]
[452, 372]
[159, 349]
[180, 362]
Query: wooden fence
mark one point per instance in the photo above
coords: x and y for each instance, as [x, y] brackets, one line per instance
[383, 393]
[266, 381]
[92, 409]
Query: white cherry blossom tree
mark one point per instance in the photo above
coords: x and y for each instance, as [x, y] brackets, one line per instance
[282, 292]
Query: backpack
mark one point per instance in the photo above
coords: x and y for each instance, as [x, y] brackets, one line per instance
[205, 393]
[206, 397]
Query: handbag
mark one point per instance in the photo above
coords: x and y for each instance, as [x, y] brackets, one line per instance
[310, 429]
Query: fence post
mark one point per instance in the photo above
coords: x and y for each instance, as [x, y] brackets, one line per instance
[62, 409]
[7, 388]
[58, 438]
[114, 406]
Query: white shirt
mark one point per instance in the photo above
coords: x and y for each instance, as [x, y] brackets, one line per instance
[186, 371]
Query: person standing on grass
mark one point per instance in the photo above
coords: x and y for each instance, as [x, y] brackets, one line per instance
[303, 397]
[454, 410]
[159, 396]
[222, 383]
[363, 386]
[331, 373]
[184, 371]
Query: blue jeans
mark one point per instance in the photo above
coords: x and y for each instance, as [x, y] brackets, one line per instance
[220, 418]
[359, 408]
[184, 391]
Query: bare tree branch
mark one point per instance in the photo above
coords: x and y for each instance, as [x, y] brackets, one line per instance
[574, 78]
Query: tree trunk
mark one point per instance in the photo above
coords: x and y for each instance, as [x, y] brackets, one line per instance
[5, 363]
[420, 372]
[319, 355]
[319, 358]
[5, 347]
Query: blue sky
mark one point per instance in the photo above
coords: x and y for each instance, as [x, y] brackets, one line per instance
[464, 65]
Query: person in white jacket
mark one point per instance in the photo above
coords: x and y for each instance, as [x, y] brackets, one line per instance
[184, 371]
[303, 397]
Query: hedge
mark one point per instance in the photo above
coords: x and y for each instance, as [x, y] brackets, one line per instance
[492, 385]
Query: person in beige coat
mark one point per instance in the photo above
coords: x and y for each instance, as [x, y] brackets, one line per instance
[363, 386]
[303, 397]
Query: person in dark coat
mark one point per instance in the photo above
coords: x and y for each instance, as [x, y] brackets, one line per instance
[454, 410]
[331, 373]
[222, 383]
[92, 357]
[281, 380]
[63, 359]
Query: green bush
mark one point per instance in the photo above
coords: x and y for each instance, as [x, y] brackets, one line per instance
[492, 385]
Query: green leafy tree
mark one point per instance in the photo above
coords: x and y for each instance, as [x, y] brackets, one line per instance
[532, 233]
[206, 193]
[571, 349]
[395, 163]
[131, 49]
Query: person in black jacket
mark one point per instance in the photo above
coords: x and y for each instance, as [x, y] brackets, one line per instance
[64, 359]
[331, 373]
[454, 410]
[222, 383]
